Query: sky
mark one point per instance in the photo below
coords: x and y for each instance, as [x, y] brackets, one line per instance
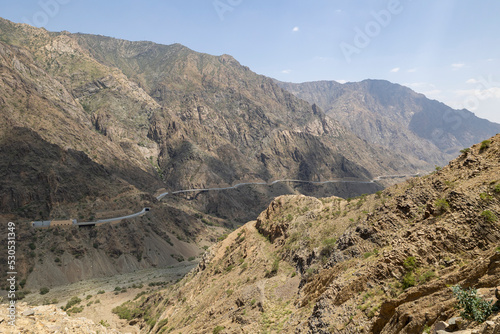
[447, 50]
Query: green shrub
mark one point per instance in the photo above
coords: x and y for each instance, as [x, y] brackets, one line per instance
[473, 307]
[408, 280]
[367, 255]
[485, 144]
[104, 323]
[140, 294]
[465, 150]
[410, 263]
[124, 312]
[222, 237]
[485, 197]
[162, 323]
[72, 302]
[489, 216]
[76, 309]
[427, 276]
[497, 188]
[21, 294]
[44, 290]
[330, 242]
[218, 329]
[441, 205]
[100, 292]
[207, 222]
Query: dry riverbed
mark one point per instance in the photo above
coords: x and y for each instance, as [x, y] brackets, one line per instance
[100, 296]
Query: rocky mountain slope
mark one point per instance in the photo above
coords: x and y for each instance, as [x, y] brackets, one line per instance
[395, 117]
[382, 263]
[155, 115]
[92, 127]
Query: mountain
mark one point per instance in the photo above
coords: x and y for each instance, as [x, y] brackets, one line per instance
[382, 263]
[93, 127]
[156, 116]
[393, 116]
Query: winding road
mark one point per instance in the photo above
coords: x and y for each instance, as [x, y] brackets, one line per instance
[109, 220]
[162, 195]
[378, 178]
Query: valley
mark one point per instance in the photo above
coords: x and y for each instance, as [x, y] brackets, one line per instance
[162, 190]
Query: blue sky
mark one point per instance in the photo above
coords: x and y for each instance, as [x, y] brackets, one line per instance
[448, 50]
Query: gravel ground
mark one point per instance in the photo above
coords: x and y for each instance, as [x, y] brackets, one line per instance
[97, 307]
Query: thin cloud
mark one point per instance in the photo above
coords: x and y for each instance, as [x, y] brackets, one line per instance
[472, 81]
[481, 94]
[457, 66]
[419, 85]
[412, 70]
[295, 29]
[395, 70]
[286, 71]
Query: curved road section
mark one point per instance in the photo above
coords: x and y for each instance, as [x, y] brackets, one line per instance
[110, 220]
[378, 178]
[40, 224]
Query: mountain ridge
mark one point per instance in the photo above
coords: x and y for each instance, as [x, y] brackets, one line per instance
[396, 117]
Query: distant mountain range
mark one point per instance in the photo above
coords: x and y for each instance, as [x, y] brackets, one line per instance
[395, 117]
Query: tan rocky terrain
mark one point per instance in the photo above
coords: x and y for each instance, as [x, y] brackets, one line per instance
[382, 263]
[49, 319]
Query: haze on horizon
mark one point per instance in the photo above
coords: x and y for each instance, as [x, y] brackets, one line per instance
[447, 50]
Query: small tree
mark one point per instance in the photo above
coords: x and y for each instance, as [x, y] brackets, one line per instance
[485, 144]
[474, 307]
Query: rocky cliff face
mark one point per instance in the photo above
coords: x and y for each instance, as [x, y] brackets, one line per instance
[382, 263]
[393, 116]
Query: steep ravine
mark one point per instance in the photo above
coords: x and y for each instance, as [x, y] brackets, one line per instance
[381, 263]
